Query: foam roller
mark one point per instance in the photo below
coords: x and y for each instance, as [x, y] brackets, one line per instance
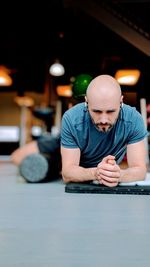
[34, 168]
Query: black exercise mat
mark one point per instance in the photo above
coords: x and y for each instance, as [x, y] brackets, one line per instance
[101, 189]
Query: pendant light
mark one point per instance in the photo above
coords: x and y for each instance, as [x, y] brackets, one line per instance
[57, 69]
[127, 76]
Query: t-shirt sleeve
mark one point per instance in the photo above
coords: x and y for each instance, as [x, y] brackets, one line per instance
[67, 132]
[138, 131]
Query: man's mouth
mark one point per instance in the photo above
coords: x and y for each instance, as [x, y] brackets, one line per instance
[103, 127]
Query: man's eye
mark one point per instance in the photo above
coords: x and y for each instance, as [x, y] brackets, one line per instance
[110, 111]
[97, 111]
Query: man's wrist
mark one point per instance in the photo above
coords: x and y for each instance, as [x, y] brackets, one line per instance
[93, 173]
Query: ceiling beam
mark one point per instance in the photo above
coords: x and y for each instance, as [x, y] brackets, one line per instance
[95, 10]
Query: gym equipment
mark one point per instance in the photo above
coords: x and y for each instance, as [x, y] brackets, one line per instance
[80, 85]
[34, 168]
[37, 168]
[91, 188]
[46, 165]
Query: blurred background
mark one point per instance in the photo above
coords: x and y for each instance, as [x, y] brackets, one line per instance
[89, 38]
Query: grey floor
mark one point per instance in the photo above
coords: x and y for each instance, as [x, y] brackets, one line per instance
[42, 226]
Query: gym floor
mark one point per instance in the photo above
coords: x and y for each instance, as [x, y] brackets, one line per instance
[42, 226]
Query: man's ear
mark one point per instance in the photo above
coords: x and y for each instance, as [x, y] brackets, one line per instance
[121, 99]
[86, 103]
[86, 100]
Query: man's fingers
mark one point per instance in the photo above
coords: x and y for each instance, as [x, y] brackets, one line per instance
[111, 161]
[109, 157]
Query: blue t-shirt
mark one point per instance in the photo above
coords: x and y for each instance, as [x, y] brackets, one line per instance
[78, 131]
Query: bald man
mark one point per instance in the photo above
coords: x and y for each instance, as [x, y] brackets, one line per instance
[96, 135]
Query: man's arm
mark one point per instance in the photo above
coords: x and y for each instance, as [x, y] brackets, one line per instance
[136, 159]
[71, 171]
[110, 174]
[107, 172]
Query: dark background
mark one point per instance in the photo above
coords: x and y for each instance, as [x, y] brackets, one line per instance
[32, 37]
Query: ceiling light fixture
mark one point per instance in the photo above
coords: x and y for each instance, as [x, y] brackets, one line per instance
[64, 90]
[5, 79]
[127, 76]
[57, 69]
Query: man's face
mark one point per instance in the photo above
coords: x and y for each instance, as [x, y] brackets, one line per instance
[104, 116]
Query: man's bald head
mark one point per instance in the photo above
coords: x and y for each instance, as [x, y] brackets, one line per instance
[103, 87]
[104, 101]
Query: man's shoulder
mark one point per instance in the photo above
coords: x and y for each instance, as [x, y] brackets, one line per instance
[128, 108]
[76, 115]
[79, 106]
[75, 111]
[129, 112]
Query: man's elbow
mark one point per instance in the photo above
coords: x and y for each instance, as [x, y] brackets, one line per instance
[65, 178]
[143, 173]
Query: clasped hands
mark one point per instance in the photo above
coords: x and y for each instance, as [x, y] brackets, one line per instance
[108, 172]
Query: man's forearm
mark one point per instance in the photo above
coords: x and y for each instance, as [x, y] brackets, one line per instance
[133, 174]
[79, 174]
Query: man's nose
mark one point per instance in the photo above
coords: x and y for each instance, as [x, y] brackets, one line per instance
[104, 118]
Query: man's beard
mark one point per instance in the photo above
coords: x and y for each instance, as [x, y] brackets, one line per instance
[103, 127]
